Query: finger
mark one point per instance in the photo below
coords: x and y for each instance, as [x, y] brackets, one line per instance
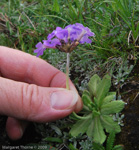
[20, 66]
[15, 128]
[34, 103]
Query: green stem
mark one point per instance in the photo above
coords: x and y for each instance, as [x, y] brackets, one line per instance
[67, 71]
[80, 117]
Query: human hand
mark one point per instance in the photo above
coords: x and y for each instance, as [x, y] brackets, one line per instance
[32, 90]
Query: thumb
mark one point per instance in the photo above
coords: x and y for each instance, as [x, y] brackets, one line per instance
[34, 103]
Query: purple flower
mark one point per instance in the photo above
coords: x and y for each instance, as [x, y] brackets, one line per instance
[40, 49]
[65, 39]
[46, 44]
[54, 33]
[80, 33]
[51, 43]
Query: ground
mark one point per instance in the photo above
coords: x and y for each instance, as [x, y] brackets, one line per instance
[129, 136]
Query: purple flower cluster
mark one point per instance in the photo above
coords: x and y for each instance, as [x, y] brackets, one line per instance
[65, 39]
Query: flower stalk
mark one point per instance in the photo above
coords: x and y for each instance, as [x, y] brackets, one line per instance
[67, 71]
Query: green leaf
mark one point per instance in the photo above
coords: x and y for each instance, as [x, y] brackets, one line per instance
[71, 147]
[109, 97]
[72, 11]
[56, 6]
[9, 27]
[90, 129]
[103, 88]
[87, 100]
[112, 93]
[93, 84]
[80, 127]
[98, 132]
[110, 141]
[112, 107]
[97, 146]
[95, 113]
[53, 139]
[109, 124]
[56, 129]
[118, 147]
[85, 92]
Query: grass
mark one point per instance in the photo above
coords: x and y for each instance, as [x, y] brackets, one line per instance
[23, 23]
[115, 26]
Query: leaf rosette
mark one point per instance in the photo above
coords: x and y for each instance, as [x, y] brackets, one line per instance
[100, 106]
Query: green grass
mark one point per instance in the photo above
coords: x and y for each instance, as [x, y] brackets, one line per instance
[24, 23]
[115, 23]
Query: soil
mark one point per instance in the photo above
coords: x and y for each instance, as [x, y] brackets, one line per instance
[129, 135]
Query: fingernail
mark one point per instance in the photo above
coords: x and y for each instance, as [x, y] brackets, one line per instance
[63, 99]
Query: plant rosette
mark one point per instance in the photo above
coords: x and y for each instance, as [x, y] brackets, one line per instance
[100, 106]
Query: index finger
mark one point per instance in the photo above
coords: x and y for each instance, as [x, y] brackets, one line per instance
[20, 66]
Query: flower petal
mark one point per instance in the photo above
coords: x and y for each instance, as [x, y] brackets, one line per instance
[40, 49]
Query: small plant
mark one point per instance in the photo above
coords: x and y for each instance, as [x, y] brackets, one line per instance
[86, 144]
[122, 73]
[99, 106]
